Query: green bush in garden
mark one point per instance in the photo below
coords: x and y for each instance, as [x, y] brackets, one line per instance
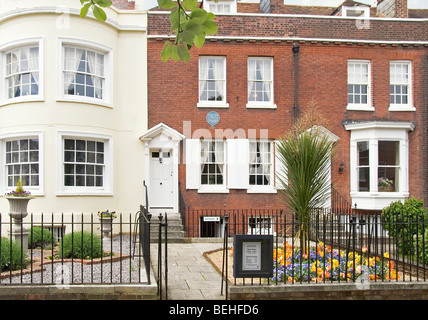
[13, 256]
[40, 237]
[404, 221]
[80, 245]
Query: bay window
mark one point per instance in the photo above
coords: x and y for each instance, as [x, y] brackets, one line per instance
[22, 77]
[22, 158]
[85, 73]
[85, 164]
[379, 162]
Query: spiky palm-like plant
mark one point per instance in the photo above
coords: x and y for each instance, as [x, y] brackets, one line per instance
[305, 154]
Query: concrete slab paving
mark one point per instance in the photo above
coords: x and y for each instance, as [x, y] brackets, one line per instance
[190, 275]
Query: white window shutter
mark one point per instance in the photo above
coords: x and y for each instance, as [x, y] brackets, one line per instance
[280, 172]
[238, 163]
[193, 163]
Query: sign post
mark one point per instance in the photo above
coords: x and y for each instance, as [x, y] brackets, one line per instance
[253, 256]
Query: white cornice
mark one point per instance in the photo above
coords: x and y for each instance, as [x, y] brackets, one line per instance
[270, 15]
[297, 39]
[72, 11]
[362, 125]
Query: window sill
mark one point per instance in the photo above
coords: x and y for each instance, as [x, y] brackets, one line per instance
[356, 107]
[376, 200]
[260, 106]
[213, 189]
[22, 100]
[266, 189]
[206, 104]
[79, 193]
[94, 101]
[401, 108]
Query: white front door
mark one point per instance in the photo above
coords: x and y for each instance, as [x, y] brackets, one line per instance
[161, 195]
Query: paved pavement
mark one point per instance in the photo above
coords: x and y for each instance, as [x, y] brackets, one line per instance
[190, 275]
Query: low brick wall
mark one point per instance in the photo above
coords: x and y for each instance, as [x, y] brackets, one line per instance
[339, 291]
[80, 292]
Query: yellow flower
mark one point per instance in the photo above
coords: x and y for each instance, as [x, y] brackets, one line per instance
[335, 263]
[386, 255]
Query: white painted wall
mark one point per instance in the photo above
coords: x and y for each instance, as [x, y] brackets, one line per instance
[125, 120]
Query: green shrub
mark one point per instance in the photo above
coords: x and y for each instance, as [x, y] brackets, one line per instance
[421, 245]
[80, 245]
[40, 237]
[404, 221]
[15, 259]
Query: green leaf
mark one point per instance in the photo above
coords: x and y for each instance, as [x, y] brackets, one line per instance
[99, 14]
[210, 16]
[199, 40]
[174, 19]
[167, 4]
[198, 13]
[104, 3]
[183, 53]
[173, 54]
[84, 10]
[187, 37]
[190, 4]
[210, 27]
[165, 54]
[195, 28]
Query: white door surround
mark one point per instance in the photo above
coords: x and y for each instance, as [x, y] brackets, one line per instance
[162, 154]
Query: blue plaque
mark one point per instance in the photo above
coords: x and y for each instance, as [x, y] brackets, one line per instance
[213, 118]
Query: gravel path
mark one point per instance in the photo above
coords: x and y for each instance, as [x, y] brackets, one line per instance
[126, 270]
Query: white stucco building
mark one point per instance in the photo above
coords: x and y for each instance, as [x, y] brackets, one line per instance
[73, 104]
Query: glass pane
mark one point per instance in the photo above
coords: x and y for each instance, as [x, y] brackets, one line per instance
[363, 153]
[388, 179]
[364, 181]
[388, 153]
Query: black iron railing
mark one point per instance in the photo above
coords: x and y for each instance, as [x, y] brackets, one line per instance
[67, 249]
[339, 248]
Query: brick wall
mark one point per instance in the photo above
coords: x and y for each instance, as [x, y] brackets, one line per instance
[173, 88]
[326, 291]
[280, 26]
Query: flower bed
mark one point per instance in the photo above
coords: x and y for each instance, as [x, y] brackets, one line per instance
[324, 263]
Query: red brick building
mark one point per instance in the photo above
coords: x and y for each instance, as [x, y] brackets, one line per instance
[214, 120]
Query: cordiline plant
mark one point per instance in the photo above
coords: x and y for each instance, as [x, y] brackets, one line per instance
[305, 155]
[189, 22]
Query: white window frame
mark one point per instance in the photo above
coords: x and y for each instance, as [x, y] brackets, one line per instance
[352, 81]
[107, 188]
[4, 188]
[213, 188]
[215, 6]
[107, 96]
[260, 104]
[208, 103]
[373, 132]
[402, 106]
[365, 11]
[263, 225]
[269, 188]
[10, 46]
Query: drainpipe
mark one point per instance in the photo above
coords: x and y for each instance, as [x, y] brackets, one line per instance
[296, 60]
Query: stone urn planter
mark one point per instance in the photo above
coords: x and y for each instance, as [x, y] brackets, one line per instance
[18, 211]
[106, 226]
[18, 202]
[106, 219]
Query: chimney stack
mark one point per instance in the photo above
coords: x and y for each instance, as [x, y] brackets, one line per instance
[393, 8]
